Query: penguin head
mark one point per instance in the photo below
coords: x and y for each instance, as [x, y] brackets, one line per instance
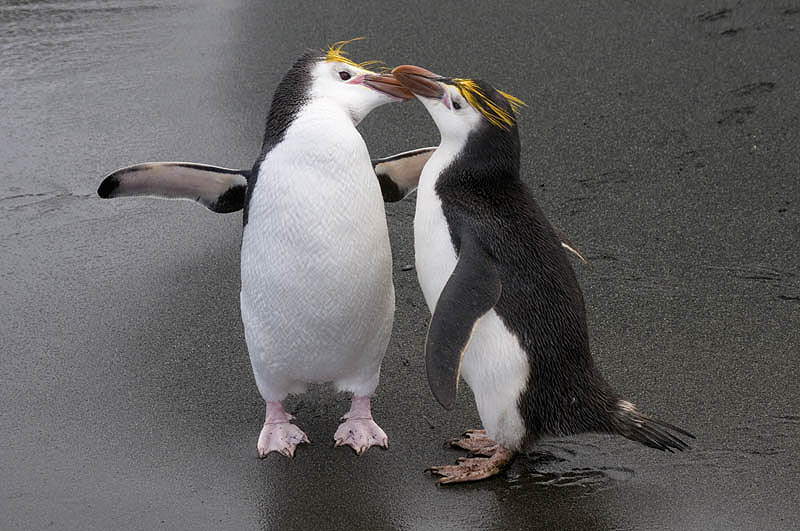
[460, 106]
[352, 86]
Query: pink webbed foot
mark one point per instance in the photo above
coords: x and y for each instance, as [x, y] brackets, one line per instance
[360, 434]
[476, 442]
[358, 430]
[279, 434]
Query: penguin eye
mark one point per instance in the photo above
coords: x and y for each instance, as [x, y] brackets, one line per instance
[344, 75]
[456, 105]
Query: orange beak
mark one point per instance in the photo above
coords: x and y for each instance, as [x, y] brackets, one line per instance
[387, 84]
[419, 81]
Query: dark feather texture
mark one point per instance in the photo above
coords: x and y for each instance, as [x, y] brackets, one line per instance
[541, 301]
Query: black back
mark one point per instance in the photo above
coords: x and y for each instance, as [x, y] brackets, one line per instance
[290, 96]
[541, 301]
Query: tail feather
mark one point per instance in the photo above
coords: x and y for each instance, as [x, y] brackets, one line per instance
[657, 434]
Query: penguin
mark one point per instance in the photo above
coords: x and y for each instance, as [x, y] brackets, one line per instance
[507, 311]
[317, 298]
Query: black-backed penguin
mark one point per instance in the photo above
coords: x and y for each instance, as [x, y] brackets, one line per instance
[317, 298]
[508, 313]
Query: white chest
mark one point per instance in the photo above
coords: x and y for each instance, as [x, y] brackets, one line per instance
[316, 262]
[494, 364]
[316, 202]
[435, 256]
[321, 170]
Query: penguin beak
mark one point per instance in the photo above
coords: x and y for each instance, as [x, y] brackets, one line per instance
[419, 81]
[387, 84]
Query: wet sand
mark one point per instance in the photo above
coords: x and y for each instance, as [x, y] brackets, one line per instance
[662, 140]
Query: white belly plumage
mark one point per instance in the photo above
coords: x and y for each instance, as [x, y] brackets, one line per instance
[317, 297]
[495, 366]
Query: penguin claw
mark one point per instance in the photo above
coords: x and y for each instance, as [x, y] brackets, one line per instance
[476, 442]
[473, 468]
[280, 437]
[360, 434]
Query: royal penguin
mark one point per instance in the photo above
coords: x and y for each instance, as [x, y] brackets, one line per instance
[318, 88]
[507, 311]
[317, 298]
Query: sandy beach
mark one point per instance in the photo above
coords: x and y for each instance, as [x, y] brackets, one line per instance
[662, 139]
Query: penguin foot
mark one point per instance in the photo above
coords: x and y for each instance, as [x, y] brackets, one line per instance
[473, 468]
[476, 442]
[280, 437]
[358, 430]
[360, 434]
[279, 434]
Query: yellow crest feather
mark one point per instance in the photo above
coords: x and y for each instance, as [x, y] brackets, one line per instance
[495, 114]
[335, 53]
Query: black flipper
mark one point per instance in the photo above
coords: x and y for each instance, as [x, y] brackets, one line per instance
[472, 290]
[399, 174]
[218, 189]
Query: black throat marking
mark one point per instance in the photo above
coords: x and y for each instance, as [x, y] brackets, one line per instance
[290, 96]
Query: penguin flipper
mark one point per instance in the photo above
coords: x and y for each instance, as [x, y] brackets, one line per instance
[221, 190]
[472, 290]
[399, 174]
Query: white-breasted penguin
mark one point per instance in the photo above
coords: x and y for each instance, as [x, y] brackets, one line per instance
[508, 313]
[317, 297]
